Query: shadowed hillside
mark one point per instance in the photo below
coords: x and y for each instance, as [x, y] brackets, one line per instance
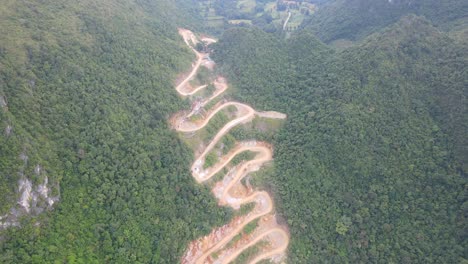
[369, 164]
[354, 19]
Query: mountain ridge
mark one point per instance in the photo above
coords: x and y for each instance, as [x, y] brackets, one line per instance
[364, 148]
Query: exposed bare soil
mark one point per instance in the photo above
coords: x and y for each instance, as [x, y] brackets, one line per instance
[215, 247]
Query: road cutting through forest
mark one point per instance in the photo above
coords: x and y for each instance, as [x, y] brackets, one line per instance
[219, 246]
[287, 20]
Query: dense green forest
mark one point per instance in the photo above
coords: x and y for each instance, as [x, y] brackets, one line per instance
[370, 165]
[89, 87]
[354, 19]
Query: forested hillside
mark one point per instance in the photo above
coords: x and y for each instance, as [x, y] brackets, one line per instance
[354, 19]
[370, 167]
[86, 88]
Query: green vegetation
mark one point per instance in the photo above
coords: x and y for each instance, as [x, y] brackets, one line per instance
[204, 76]
[204, 135]
[343, 19]
[234, 240]
[89, 86]
[247, 230]
[250, 227]
[246, 208]
[269, 15]
[262, 178]
[243, 156]
[204, 93]
[263, 129]
[369, 166]
[227, 143]
[251, 252]
[210, 160]
[216, 123]
[260, 129]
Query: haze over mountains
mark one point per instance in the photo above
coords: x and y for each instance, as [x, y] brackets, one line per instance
[354, 19]
[368, 146]
[369, 167]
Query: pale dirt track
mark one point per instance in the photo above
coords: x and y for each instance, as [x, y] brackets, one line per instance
[230, 191]
[287, 20]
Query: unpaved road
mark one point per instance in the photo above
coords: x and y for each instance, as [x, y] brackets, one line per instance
[189, 36]
[287, 20]
[230, 191]
[187, 126]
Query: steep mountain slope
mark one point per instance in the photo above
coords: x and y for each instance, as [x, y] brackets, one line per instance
[265, 236]
[354, 19]
[85, 90]
[368, 166]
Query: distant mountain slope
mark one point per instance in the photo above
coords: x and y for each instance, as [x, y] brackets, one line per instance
[354, 19]
[369, 165]
[437, 66]
[85, 90]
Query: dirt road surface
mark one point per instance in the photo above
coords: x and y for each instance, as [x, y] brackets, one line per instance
[215, 247]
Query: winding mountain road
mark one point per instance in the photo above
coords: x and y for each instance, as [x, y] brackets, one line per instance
[216, 247]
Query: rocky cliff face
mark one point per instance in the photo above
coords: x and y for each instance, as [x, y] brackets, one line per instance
[34, 193]
[32, 199]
